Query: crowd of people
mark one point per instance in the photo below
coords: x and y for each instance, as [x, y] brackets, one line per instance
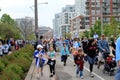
[95, 51]
[10, 45]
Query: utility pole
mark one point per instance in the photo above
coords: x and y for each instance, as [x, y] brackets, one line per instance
[101, 5]
[36, 18]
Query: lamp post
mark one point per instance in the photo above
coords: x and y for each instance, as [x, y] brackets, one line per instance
[101, 16]
[36, 16]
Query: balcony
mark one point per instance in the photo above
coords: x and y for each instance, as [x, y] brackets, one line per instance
[87, 2]
[87, 7]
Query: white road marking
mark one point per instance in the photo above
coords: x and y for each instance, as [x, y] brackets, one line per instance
[88, 70]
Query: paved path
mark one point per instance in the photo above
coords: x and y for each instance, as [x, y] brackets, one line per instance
[68, 72]
[32, 73]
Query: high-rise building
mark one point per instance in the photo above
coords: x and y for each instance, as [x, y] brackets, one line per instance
[68, 12]
[62, 23]
[103, 10]
[79, 7]
[57, 24]
[80, 22]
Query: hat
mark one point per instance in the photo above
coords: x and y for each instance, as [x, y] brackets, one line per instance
[39, 46]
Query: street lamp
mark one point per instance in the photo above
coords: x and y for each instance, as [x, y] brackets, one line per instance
[36, 16]
[101, 5]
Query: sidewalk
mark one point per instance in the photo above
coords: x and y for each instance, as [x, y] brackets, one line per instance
[31, 75]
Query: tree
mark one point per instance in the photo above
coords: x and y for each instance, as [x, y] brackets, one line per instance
[6, 19]
[87, 34]
[6, 31]
[68, 35]
[114, 25]
[26, 29]
[96, 28]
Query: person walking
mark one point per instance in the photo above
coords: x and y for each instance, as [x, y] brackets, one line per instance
[103, 48]
[91, 50]
[51, 61]
[79, 61]
[113, 46]
[117, 76]
[39, 55]
[64, 53]
[6, 47]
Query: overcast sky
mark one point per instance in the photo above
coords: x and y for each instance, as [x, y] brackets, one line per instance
[21, 8]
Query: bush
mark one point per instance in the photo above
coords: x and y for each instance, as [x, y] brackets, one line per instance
[9, 74]
[16, 65]
[2, 65]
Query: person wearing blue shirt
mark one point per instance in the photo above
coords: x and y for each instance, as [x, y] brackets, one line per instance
[40, 60]
[103, 48]
[64, 53]
[117, 76]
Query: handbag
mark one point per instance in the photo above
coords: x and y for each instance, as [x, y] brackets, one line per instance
[49, 61]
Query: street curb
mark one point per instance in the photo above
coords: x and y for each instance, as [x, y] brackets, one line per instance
[30, 74]
[31, 70]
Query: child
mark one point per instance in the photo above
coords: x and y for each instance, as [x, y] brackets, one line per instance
[51, 61]
[39, 55]
[79, 60]
[64, 54]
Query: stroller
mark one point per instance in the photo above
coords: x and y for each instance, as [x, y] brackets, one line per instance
[109, 65]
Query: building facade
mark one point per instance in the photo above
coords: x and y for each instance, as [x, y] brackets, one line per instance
[57, 25]
[102, 10]
[79, 7]
[62, 23]
[44, 31]
[80, 22]
[68, 12]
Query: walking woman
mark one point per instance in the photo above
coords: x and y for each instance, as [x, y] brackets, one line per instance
[51, 61]
[64, 54]
[39, 55]
[91, 50]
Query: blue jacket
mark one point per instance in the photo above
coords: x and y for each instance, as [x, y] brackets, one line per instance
[36, 55]
[103, 44]
[63, 51]
[118, 49]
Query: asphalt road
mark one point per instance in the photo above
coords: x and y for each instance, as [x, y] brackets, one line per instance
[68, 72]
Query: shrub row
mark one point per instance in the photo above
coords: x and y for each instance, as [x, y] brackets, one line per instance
[16, 65]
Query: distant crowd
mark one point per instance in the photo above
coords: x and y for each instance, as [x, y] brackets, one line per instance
[10, 45]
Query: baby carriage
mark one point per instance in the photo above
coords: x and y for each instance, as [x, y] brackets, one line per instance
[109, 65]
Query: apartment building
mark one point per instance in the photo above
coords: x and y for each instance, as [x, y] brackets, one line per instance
[57, 25]
[62, 23]
[103, 10]
[68, 12]
[81, 21]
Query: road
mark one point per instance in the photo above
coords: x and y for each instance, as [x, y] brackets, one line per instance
[68, 72]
